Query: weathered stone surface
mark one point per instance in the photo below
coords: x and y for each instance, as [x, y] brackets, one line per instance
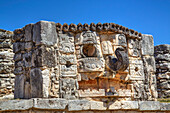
[54, 103]
[45, 33]
[19, 86]
[147, 45]
[28, 32]
[96, 105]
[114, 105]
[165, 106]
[162, 59]
[130, 105]
[149, 105]
[78, 105]
[36, 81]
[16, 104]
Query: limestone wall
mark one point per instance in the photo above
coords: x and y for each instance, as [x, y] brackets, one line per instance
[162, 57]
[6, 65]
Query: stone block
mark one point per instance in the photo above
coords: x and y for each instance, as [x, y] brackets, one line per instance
[68, 88]
[45, 33]
[165, 106]
[107, 47]
[19, 86]
[44, 56]
[130, 105]
[28, 32]
[134, 46]
[17, 56]
[96, 105]
[36, 82]
[91, 93]
[6, 105]
[51, 103]
[147, 45]
[149, 105]
[78, 105]
[28, 45]
[68, 70]
[114, 105]
[18, 70]
[68, 59]
[136, 69]
[40, 88]
[162, 49]
[149, 63]
[27, 59]
[118, 40]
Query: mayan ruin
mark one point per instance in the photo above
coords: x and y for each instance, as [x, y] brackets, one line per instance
[48, 67]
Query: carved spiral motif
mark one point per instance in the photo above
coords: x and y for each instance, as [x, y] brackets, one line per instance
[120, 63]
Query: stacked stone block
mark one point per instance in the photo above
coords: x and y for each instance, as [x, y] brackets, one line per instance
[6, 64]
[162, 57]
[35, 48]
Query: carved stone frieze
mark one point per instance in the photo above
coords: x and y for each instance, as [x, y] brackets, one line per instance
[68, 88]
[90, 64]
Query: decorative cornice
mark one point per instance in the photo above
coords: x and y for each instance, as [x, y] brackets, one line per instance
[99, 27]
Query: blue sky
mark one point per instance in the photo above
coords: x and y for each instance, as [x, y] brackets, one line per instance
[145, 16]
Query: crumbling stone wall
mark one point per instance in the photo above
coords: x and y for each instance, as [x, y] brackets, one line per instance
[95, 61]
[162, 57]
[6, 64]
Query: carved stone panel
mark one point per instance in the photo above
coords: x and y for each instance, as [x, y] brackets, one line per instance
[68, 59]
[68, 88]
[136, 69]
[87, 37]
[107, 47]
[119, 40]
[90, 64]
[68, 70]
[134, 47]
[66, 47]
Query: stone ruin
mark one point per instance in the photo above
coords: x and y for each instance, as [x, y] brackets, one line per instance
[162, 57]
[84, 68]
[6, 65]
[83, 61]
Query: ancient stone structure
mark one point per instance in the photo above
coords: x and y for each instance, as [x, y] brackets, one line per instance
[98, 62]
[162, 57]
[82, 69]
[6, 65]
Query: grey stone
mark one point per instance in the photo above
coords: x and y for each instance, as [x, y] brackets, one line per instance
[78, 105]
[53, 103]
[96, 105]
[36, 82]
[28, 45]
[130, 105]
[17, 56]
[149, 63]
[149, 105]
[18, 46]
[162, 57]
[19, 86]
[28, 32]
[45, 33]
[165, 48]
[16, 104]
[165, 106]
[147, 44]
